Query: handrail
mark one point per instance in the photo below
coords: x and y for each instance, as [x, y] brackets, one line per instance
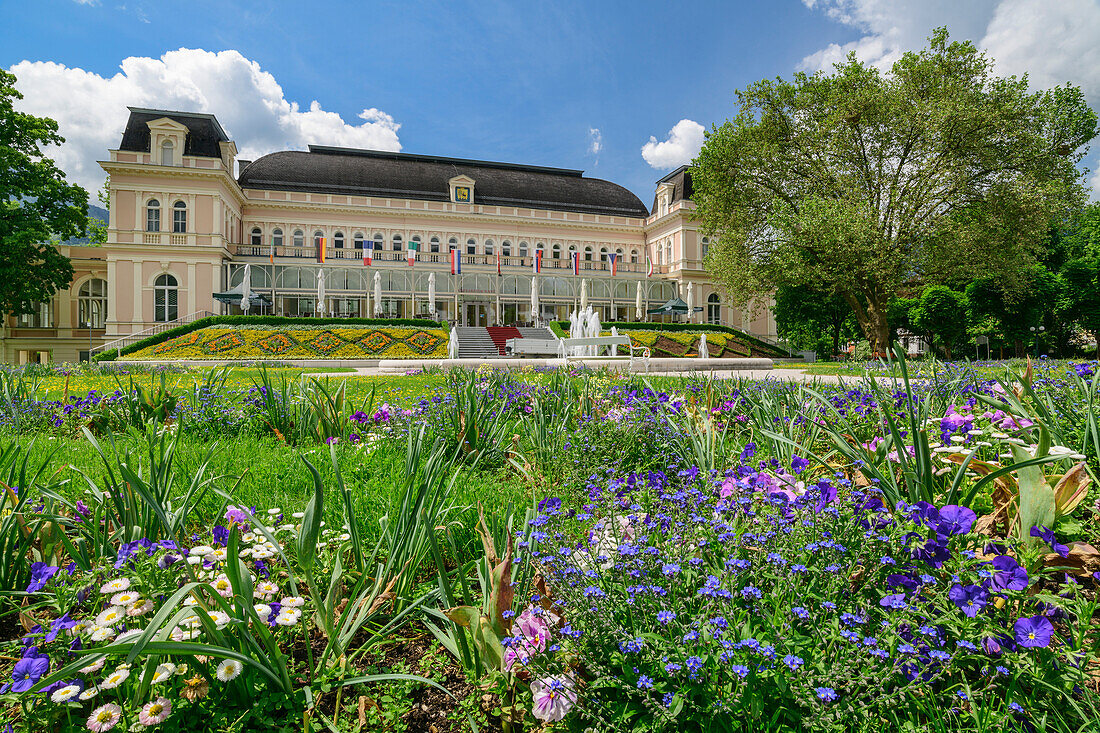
[121, 343]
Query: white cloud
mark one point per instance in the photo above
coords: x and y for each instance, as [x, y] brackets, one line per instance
[86, 2]
[1053, 42]
[91, 109]
[683, 143]
[595, 141]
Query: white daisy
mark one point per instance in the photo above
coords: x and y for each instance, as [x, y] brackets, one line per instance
[110, 616]
[229, 669]
[94, 666]
[125, 598]
[194, 560]
[140, 608]
[219, 554]
[64, 694]
[101, 633]
[273, 511]
[288, 617]
[265, 590]
[293, 602]
[115, 679]
[116, 585]
[201, 550]
[89, 693]
[163, 672]
[262, 610]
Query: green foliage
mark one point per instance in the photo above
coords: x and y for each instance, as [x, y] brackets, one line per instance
[37, 208]
[859, 181]
[813, 320]
[941, 313]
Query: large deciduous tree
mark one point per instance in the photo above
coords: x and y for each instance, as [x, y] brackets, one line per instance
[861, 183]
[37, 208]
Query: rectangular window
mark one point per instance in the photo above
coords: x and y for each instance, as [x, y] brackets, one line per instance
[152, 219]
[179, 221]
[42, 317]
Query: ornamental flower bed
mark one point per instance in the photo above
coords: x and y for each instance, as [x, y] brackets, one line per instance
[686, 343]
[682, 601]
[247, 343]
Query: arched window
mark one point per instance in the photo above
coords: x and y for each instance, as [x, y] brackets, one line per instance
[488, 248]
[714, 309]
[523, 249]
[471, 246]
[704, 248]
[506, 248]
[299, 238]
[165, 298]
[378, 243]
[415, 243]
[398, 242]
[338, 240]
[358, 240]
[433, 245]
[587, 254]
[452, 243]
[166, 150]
[152, 216]
[555, 252]
[535, 252]
[603, 254]
[277, 238]
[179, 217]
[257, 237]
[92, 303]
[318, 240]
[633, 256]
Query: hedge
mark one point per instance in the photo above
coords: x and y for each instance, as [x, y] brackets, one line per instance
[689, 327]
[112, 354]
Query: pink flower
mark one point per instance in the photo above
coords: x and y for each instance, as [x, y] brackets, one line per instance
[553, 697]
[155, 712]
[105, 717]
[531, 635]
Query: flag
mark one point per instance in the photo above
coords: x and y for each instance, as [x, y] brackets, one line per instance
[321, 251]
[648, 264]
[498, 263]
[613, 257]
[412, 253]
[576, 262]
[368, 253]
[272, 257]
[536, 264]
[456, 261]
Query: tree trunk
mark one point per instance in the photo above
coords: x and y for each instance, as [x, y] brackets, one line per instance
[872, 321]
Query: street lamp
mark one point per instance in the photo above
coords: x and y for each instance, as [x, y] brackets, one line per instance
[1037, 333]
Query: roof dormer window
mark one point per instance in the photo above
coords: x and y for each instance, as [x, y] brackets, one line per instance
[462, 190]
[167, 149]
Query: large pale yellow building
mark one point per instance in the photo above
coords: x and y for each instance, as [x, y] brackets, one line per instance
[183, 226]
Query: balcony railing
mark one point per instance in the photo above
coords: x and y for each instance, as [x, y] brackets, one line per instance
[510, 263]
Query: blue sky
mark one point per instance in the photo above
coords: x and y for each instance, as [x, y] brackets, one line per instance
[521, 82]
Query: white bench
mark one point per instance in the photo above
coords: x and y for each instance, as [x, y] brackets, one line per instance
[610, 342]
[533, 347]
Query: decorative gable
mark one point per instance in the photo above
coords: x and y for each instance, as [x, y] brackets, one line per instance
[462, 189]
[167, 139]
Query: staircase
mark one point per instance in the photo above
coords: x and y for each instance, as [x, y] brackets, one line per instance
[536, 333]
[501, 334]
[475, 343]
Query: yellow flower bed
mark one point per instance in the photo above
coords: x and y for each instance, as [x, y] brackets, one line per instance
[687, 342]
[242, 343]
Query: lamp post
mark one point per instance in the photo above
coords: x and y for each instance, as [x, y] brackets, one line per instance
[1037, 332]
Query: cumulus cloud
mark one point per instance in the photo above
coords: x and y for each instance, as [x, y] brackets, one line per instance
[683, 143]
[595, 141]
[1053, 43]
[249, 103]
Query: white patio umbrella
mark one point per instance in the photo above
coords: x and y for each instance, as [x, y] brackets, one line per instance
[246, 289]
[638, 303]
[535, 299]
[584, 294]
[691, 302]
[431, 293]
[320, 291]
[377, 293]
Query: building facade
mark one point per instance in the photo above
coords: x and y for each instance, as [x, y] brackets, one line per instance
[380, 228]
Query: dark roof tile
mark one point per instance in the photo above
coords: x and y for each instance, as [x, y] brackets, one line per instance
[401, 175]
[203, 131]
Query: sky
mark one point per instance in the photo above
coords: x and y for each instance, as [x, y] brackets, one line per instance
[623, 90]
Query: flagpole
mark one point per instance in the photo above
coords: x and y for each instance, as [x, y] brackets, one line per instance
[273, 300]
